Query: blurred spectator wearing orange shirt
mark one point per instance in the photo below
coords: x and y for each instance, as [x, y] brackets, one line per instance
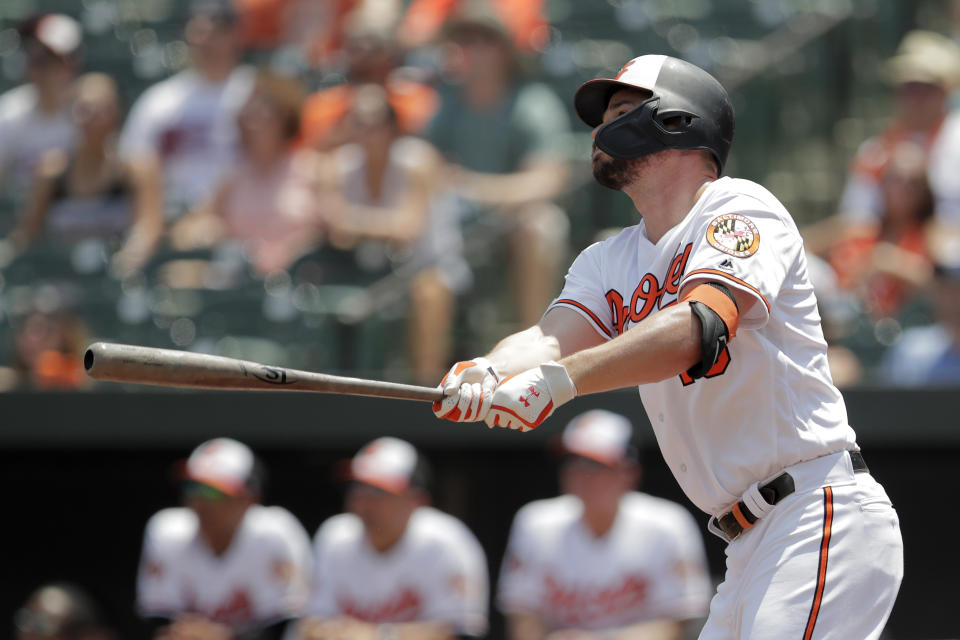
[886, 263]
[314, 28]
[525, 20]
[371, 56]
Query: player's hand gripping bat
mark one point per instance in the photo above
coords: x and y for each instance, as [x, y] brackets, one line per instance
[170, 368]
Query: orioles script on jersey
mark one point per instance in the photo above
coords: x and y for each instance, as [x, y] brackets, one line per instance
[579, 605]
[648, 294]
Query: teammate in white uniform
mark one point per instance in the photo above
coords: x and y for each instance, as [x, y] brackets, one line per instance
[706, 305]
[392, 567]
[602, 558]
[223, 567]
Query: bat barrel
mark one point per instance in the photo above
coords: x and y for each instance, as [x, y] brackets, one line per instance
[167, 367]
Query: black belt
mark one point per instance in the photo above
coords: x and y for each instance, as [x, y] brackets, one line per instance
[739, 518]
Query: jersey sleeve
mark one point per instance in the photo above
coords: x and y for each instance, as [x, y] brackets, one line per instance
[284, 588]
[583, 291]
[748, 245]
[520, 587]
[683, 588]
[158, 592]
[460, 592]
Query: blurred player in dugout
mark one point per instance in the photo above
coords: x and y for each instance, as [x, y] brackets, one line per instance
[603, 560]
[393, 567]
[222, 566]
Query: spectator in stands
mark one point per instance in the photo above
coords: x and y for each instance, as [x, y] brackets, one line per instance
[393, 567]
[387, 206]
[35, 117]
[925, 69]
[502, 136]
[188, 122]
[371, 56]
[60, 611]
[222, 566]
[270, 201]
[48, 347]
[92, 193]
[602, 560]
[525, 20]
[885, 263]
[312, 29]
[930, 356]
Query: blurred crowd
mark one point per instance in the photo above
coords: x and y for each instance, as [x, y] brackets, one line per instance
[601, 560]
[377, 186]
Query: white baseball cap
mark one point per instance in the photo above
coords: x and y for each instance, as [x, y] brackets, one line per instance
[386, 463]
[59, 33]
[222, 463]
[601, 436]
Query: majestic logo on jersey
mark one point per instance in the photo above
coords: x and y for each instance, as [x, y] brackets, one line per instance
[649, 293]
[734, 234]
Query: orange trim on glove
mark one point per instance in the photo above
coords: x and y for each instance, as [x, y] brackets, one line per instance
[719, 303]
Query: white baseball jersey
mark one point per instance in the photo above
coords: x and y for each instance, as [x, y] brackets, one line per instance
[191, 125]
[260, 579]
[436, 572]
[650, 565]
[769, 402]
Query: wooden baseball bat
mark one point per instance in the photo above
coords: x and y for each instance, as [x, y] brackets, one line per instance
[170, 368]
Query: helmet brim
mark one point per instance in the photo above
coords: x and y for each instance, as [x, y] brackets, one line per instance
[590, 100]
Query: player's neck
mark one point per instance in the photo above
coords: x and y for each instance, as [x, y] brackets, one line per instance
[599, 522]
[665, 202]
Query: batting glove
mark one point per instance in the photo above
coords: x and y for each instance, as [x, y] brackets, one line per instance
[468, 388]
[525, 400]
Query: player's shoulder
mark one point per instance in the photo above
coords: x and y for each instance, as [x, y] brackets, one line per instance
[741, 192]
[272, 522]
[429, 526]
[657, 512]
[341, 530]
[741, 198]
[173, 527]
[548, 514]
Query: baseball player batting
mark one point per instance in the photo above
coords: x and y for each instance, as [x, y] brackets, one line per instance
[707, 307]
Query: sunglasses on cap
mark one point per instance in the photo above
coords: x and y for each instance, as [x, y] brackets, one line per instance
[193, 490]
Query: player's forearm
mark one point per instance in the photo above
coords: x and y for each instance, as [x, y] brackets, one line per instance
[652, 630]
[523, 350]
[664, 345]
[414, 631]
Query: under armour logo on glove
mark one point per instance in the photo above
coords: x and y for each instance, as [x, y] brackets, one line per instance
[468, 389]
[525, 400]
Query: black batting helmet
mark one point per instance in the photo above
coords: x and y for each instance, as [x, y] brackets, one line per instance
[682, 91]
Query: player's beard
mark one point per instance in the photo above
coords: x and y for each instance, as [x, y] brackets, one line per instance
[616, 173]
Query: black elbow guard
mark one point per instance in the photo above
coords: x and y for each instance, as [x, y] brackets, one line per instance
[713, 339]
